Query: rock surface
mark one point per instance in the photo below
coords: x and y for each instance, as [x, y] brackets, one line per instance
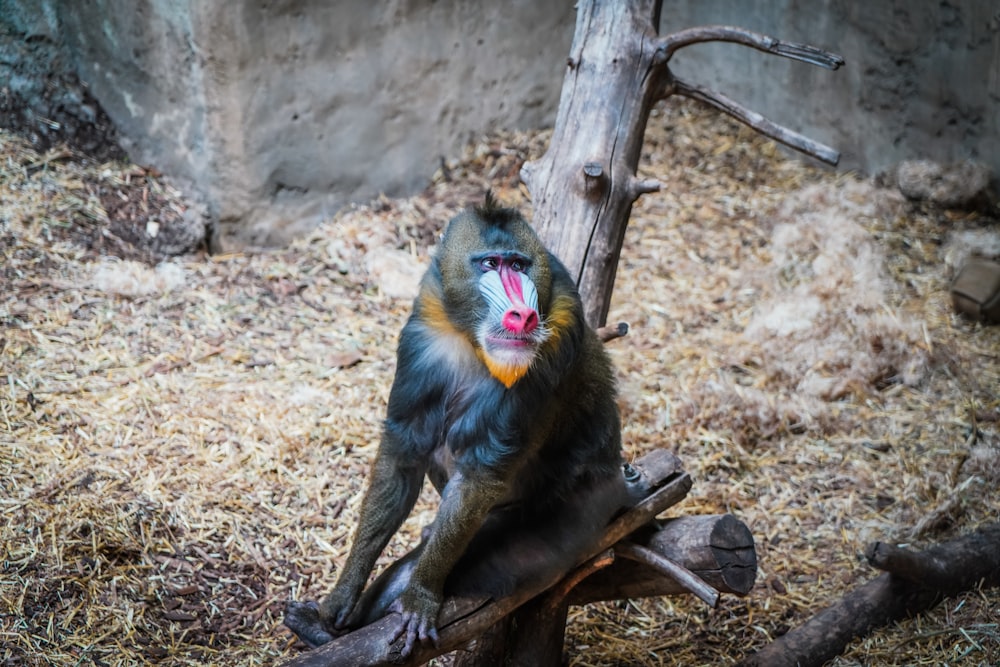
[273, 115]
[955, 185]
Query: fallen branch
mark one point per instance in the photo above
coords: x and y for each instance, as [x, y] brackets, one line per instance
[913, 582]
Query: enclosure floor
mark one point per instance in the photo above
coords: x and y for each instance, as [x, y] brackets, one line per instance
[183, 440]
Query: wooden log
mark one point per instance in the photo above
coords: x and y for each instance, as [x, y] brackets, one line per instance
[719, 549]
[532, 636]
[914, 582]
[527, 628]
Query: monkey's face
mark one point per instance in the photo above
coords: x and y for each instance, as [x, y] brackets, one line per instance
[495, 284]
[511, 332]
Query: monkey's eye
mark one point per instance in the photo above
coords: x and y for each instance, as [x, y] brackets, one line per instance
[489, 264]
[518, 265]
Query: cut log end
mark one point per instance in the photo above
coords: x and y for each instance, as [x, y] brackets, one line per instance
[717, 549]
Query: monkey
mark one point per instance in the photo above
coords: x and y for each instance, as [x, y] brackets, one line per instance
[511, 550]
[505, 399]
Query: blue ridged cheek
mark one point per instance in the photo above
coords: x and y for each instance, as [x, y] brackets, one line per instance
[492, 289]
[529, 291]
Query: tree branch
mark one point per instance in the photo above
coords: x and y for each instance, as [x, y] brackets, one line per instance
[610, 333]
[724, 33]
[669, 568]
[754, 120]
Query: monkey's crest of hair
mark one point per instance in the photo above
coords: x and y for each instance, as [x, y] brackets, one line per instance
[492, 213]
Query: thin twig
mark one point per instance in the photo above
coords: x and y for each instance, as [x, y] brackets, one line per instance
[754, 120]
[158, 367]
[612, 332]
[559, 592]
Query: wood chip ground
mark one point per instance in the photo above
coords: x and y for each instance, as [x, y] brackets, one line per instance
[183, 440]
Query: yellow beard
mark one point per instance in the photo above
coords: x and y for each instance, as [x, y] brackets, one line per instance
[508, 374]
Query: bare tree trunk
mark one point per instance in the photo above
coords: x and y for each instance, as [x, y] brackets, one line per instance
[582, 189]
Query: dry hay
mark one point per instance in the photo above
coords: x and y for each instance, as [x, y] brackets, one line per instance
[182, 444]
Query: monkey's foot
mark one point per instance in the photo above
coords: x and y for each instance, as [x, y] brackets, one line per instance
[303, 619]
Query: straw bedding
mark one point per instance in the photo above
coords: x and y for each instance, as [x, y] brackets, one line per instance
[183, 440]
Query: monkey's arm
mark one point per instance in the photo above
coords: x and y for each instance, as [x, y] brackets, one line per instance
[413, 424]
[466, 501]
[392, 491]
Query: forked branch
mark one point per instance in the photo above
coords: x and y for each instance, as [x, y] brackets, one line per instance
[673, 42]
[724, 33]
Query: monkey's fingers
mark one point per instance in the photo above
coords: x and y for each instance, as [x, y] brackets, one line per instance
[336, 608]
[414, 626]
[407, 629]
[342, 621]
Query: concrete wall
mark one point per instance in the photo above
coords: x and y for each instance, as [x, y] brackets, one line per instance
[922, 78]
[280, 112]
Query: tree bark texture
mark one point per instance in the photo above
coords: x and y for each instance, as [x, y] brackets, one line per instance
[583, 187]
[912, 583]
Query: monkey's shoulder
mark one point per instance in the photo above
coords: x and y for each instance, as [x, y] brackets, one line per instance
[425, 347]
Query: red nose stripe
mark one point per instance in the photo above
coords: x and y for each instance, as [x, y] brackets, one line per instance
[511, 282]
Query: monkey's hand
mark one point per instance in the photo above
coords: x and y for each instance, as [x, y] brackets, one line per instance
[419, 607]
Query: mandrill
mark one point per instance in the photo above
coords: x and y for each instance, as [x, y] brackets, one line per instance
[505, 399]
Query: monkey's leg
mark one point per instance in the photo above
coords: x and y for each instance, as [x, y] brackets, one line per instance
[303, 619]
[464, 505]
[392, 492]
